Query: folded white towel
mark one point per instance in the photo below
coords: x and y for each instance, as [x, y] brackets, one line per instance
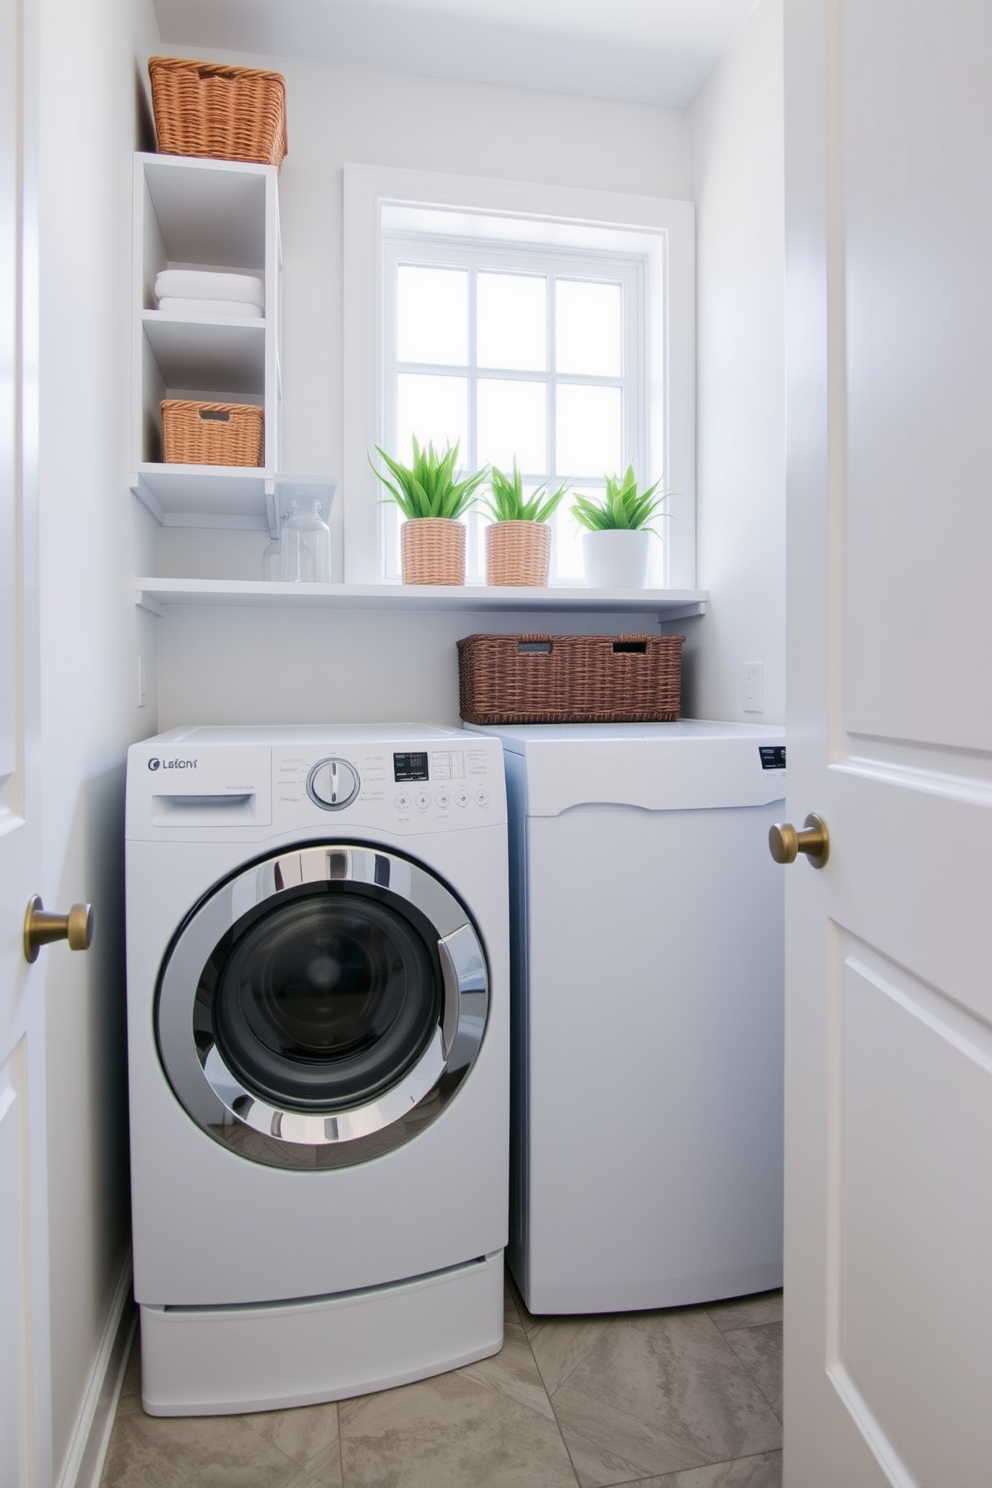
[205, 284]
[175, 306]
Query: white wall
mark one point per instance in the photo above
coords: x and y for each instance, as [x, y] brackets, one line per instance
[341, 114]
[92, 535]
[373, 666]
[737, 153]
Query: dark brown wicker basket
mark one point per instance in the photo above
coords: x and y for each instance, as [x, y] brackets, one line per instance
[569, 679]
[212, 433]
[218, 111]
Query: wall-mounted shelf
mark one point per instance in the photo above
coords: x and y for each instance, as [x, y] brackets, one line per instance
[224, 496]
[157, 595]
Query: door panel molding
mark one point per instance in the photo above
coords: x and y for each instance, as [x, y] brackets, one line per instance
[909, 1082]
[959, 773]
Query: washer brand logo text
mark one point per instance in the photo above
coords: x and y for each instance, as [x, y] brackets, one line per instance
[175, 764]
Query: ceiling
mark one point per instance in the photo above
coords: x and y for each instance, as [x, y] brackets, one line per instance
[644, 51]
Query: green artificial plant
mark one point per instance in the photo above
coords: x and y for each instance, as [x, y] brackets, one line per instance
[427, 487]
[622, 506]
[506, 503]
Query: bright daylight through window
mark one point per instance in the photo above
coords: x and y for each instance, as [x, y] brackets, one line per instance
[518, 357]
[548, 326]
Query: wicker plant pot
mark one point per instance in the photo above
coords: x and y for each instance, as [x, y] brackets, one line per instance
[432, 551]
[518, 553]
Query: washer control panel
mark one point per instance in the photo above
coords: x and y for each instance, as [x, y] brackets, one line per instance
[413, 789]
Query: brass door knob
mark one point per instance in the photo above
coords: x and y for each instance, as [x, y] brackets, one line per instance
[41, 927]
[785, 843]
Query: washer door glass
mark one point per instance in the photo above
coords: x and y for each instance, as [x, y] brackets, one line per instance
[327, 1001]
[322, 1005]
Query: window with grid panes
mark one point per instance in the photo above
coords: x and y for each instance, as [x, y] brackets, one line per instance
[515, 353]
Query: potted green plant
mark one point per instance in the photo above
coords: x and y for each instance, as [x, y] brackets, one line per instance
[616, 542]
[518, 539]
[432, 538]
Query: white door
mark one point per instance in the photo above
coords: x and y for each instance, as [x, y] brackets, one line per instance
[24, 1358]
[888, 1351]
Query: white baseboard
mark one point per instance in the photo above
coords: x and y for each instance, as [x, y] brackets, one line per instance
[91, 1437]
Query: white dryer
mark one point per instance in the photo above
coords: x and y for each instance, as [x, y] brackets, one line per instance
[647, 972]
[318, 1055]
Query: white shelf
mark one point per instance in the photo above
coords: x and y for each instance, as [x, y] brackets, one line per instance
[229, 496]
[209, 211]
[209, 352]
[157, 595]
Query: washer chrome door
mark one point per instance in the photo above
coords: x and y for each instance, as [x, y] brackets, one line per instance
[322, 1006]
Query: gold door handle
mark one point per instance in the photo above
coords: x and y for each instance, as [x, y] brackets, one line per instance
[41, 927]
[785, 843]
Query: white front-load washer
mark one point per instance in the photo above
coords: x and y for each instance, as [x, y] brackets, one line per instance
[318, 1059]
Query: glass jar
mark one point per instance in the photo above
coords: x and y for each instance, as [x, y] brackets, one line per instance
[306, 544]
[272, 562]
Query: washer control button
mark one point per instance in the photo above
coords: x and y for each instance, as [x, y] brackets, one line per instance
[403, 800]
[461, 797]
[423, 799]
[482, 798]
[442, 799]
[333, 783]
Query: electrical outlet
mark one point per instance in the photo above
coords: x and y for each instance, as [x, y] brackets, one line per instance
[753, 687]
[142, 683]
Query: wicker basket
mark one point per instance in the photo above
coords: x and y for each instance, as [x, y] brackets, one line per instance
[518, 553]
[569, 679]
[223, 112]
[432, 551]
[212, 433]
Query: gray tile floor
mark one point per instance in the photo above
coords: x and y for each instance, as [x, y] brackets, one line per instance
[687, 1398]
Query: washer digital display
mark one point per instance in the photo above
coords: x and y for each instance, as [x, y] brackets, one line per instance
[412, 766]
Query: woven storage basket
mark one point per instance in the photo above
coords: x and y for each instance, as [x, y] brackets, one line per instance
[569, 679]
[211, 433]
[223, 112]
[432, 551]
[518, 552]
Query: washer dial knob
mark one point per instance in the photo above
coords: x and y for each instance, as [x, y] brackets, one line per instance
[333, 783]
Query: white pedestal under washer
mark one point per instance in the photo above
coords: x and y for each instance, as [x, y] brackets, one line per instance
[647, 992]
[318, 1059]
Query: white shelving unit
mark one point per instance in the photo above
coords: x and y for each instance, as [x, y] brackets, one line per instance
[222, 215]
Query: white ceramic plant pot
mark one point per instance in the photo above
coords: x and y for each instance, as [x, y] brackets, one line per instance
[616, 558]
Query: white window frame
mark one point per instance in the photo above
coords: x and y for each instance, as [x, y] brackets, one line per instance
[656, 231]
[478, 255]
